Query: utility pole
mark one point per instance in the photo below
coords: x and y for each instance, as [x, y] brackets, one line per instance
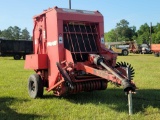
[150, 34]
[69, 4]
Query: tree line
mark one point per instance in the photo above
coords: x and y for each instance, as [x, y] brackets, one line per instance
[124, 32]
[15, 33]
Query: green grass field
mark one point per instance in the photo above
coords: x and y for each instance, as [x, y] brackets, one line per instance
[110, 104]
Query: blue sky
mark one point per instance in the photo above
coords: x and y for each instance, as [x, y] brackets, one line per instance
[136, 12]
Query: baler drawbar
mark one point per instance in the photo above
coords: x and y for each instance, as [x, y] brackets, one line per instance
[70, 55]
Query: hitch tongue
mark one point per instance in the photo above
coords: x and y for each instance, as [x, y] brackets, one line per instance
[129, 88]
[98, 60]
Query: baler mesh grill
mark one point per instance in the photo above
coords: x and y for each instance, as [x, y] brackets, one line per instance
[80, 39]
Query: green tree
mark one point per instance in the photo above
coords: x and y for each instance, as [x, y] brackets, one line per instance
[25, 34]
[8, 33]
[157, 40]
[156, 33]
[123, 24]
[156, 28]
[111, 36]
[16, 32]
[122, 32]
[125, 33]
[143, 34]
[154, 38]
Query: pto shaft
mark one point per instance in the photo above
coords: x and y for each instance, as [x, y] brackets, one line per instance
[124, 82]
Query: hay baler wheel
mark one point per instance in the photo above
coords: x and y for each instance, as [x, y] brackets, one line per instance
[35, 86]
[156, 54]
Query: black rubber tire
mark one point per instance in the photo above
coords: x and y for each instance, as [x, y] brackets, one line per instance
[24, 57]
[156, 54]
[125, 52]
[17, 57]
[35, 86]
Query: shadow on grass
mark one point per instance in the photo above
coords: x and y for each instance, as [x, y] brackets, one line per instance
[116, 99]
[10, 58]
[7, 113]
[139, 54]
[134, 54]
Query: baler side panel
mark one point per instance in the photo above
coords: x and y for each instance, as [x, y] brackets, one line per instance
[36, 61]
[52, 47]
[101, 33]
[61, 49]
[37, 36]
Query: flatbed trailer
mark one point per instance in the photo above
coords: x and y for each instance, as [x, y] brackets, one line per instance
[16, 48]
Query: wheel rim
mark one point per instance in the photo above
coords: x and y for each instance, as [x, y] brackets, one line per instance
[32, 86]
[35, 86]
[125, 52]
[17, 57]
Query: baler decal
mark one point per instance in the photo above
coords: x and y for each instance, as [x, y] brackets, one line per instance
[54, 43]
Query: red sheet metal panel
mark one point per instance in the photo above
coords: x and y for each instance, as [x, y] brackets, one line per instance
[155, 47]
[36, 61]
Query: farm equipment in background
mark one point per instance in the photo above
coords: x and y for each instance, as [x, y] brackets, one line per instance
[70, 55]
[145, 49]
[16, 48]
[139, 49]
[155, 48]
[134, 47]
[118, 47]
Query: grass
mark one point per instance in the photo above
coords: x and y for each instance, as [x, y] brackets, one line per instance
[110, 104]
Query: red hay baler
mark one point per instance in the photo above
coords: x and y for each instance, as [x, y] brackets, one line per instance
[70, 55]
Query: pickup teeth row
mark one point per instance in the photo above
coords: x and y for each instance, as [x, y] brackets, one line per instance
[125, 64]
